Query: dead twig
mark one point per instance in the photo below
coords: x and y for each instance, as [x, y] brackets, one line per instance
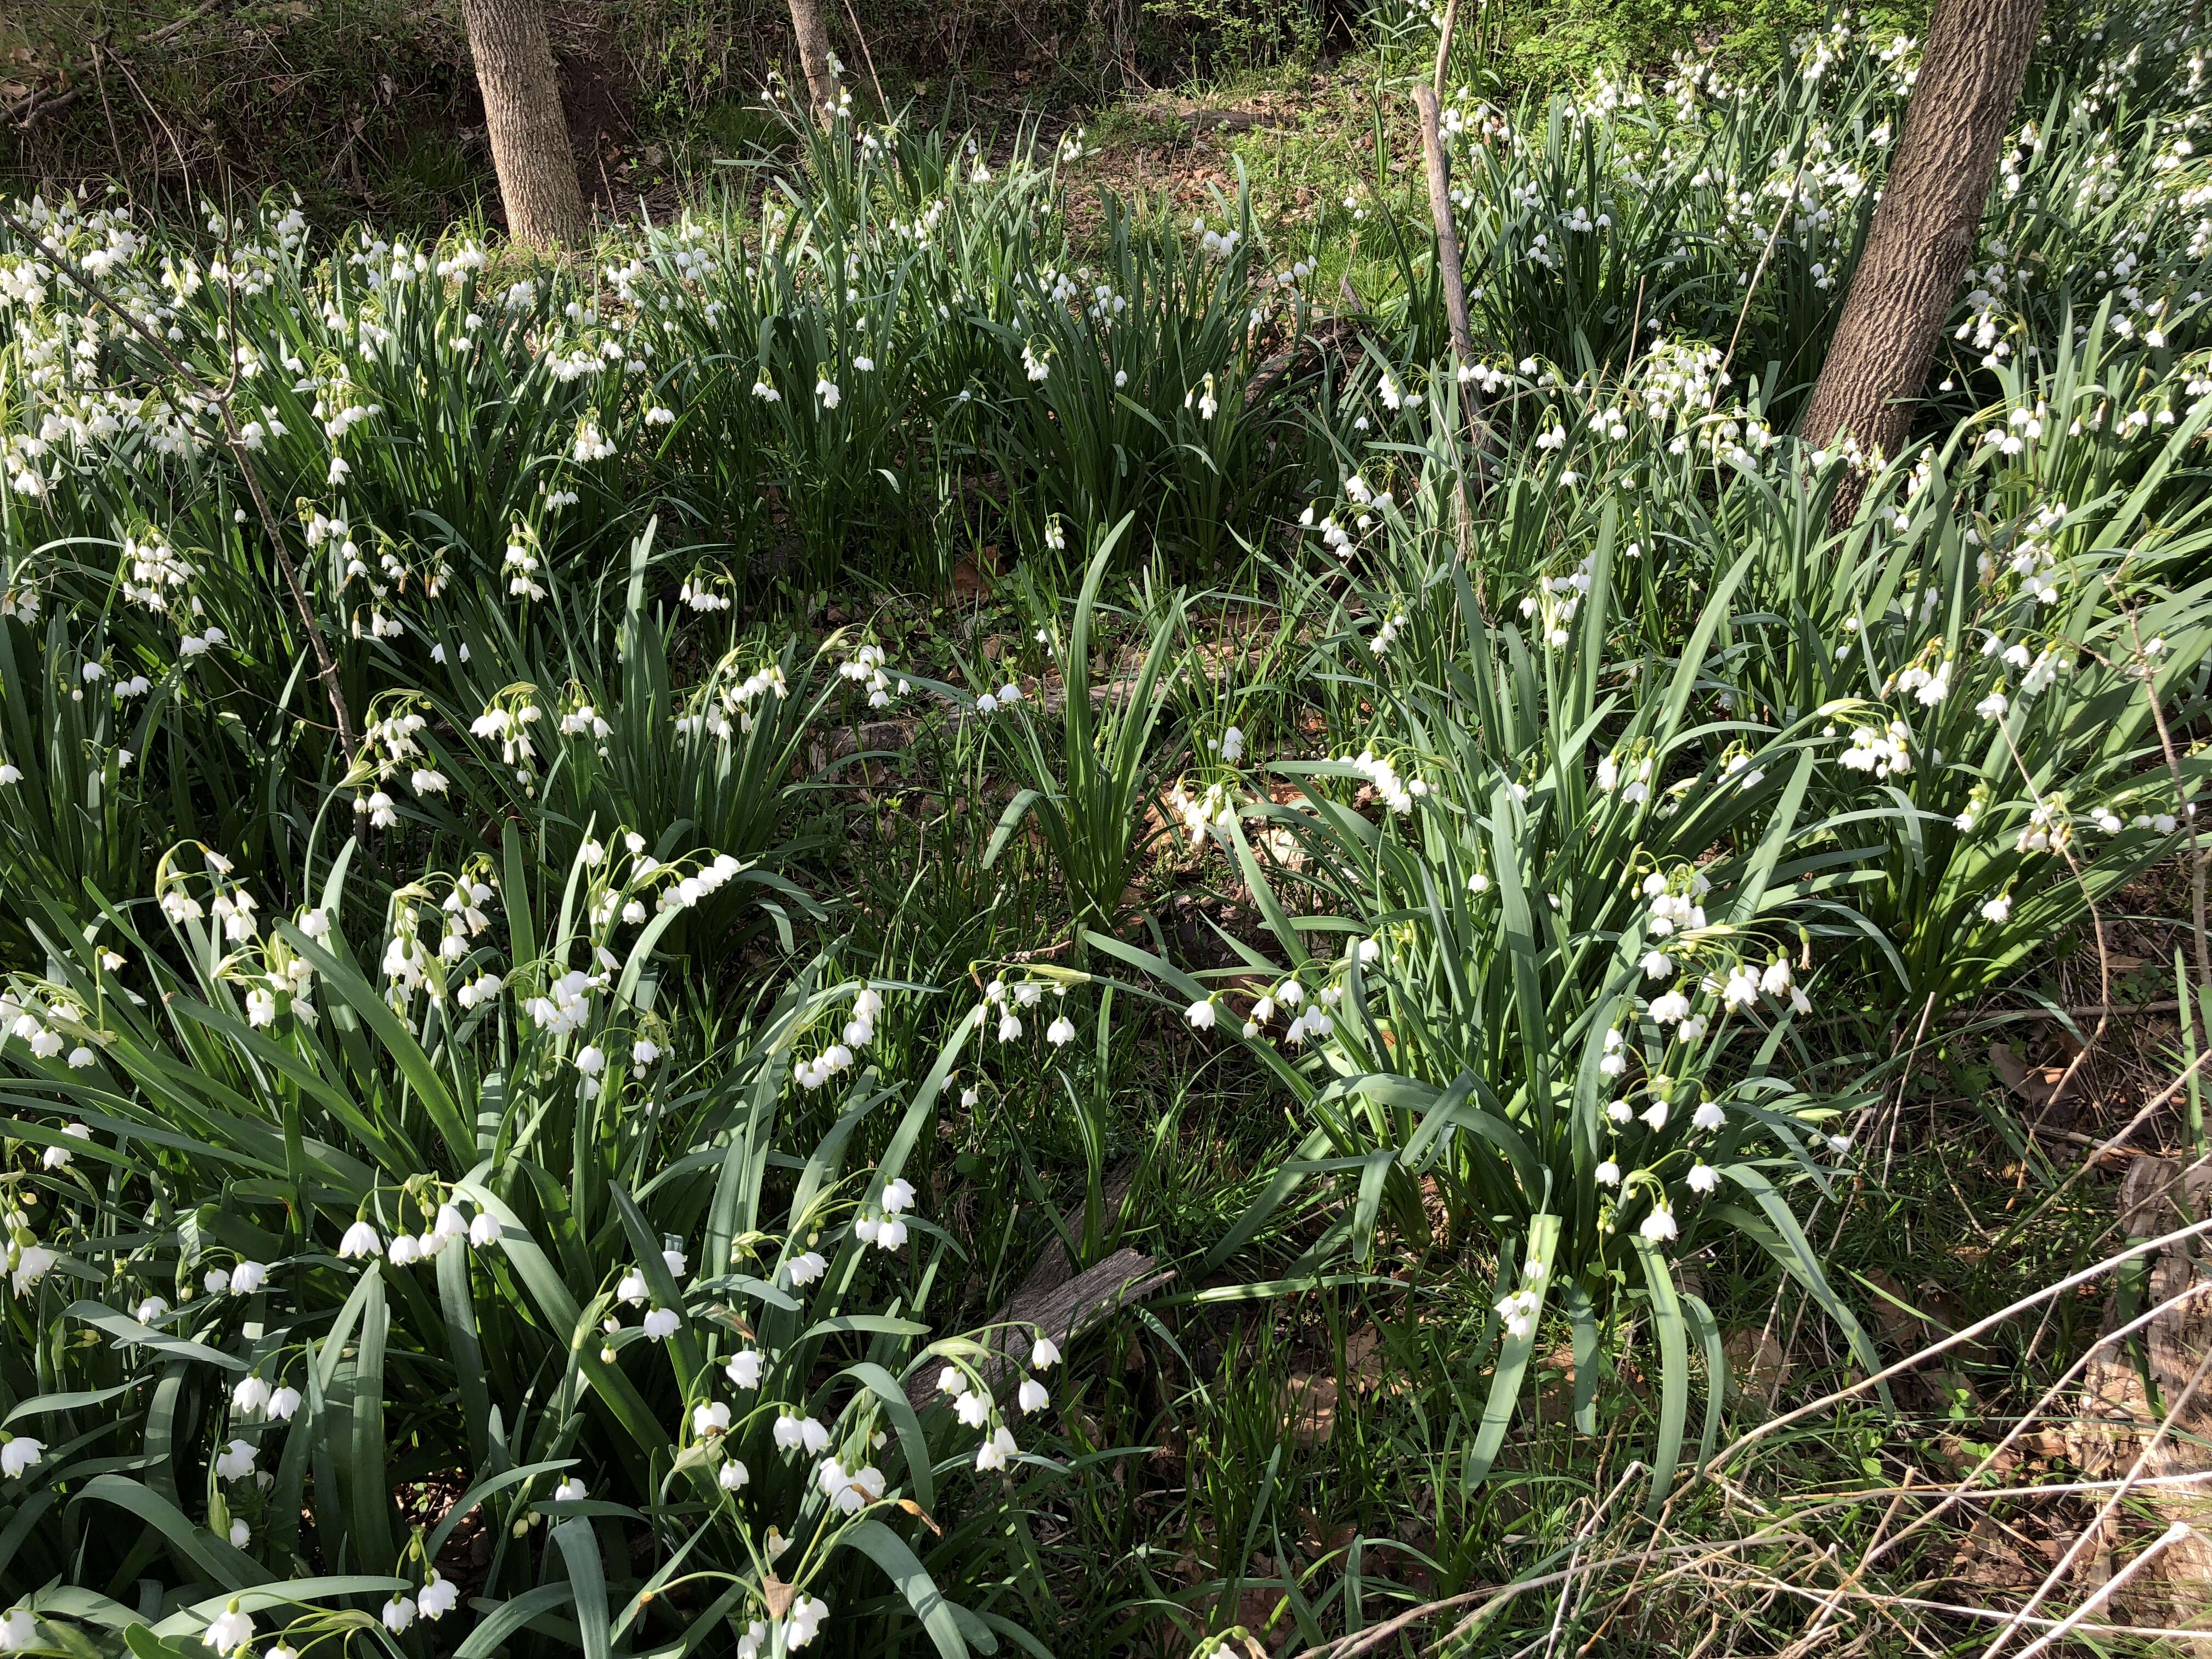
[2134, 1123]
[37, 105]
[2095, 1529]
[1452, 277]
[1971, 1333]
[2083, 1010]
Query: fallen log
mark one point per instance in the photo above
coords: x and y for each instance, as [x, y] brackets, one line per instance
[2126, 1397]
[1054, 1301]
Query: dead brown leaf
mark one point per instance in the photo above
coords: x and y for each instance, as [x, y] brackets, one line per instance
[2038, 1085]
[1309, 1408]
[1757, 1364]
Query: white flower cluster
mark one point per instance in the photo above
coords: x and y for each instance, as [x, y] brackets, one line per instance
[2032, 556]
[156, 574]
[1556, 599]
[1518, 1309]
[1882, 749]
[1929, 680]
[1676, 902]
[565, 1006]
[507, 722]
[1010, 1000]
[739, 701]
[976, 1408]
[867, 666]
[1636, 772]
[522, 563]
[1396, 793]
[1310, 1017]
[228, 901]
[390, 740]
[858, 1032]
[53, 1028]
[701, 593]
[1333, 536]
[1213, 808]
[1219, 244]
[584, 720]
[465, 917]
[445, 1227]
[991, 702]
[886, 1230]
[591, 444]
[2049, 828]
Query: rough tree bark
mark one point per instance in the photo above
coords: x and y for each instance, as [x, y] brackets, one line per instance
[1057, 1300]
[1924, 226]
[814, 57]
[522, 116]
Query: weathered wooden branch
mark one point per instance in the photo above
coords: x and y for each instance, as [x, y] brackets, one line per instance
[1055, 1300]
[1326, 335]
[1063, 1312]
[1231, 120]
[2139, 1415]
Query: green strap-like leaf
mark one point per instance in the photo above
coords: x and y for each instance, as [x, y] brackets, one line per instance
[502, 1618]
[1009, 821]
[483, 1489]
[1513, 1353]
[360, 999]
[371, 1491]
[889, 1550]
[1674, 1367]
[1692, 659]
[285, 1592]
[660, 1282]
[1263, 895]
[126, 1331]
[587, 1577]
[1374, 1171]
[459, 1306]
[1717, 1370]
[1582, 1317]
[546, 1287]
[515, 900]
[885, 1388]
[233, 1569]
[45, 1403]
[1751, 888]
[1525, 953]
[703, 1628]
[1798, 1258]
[874, 1324]
[1285, 1180]
[28, 1513]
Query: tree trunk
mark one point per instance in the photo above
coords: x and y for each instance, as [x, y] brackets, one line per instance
[814, 57]
[522, 116]
[1923, 228]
